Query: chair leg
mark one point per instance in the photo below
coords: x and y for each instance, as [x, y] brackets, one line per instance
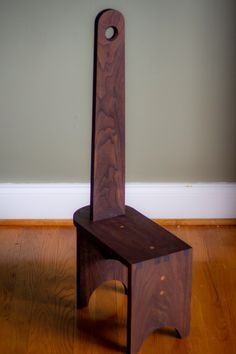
[85, 282]
[159, 295]
[94, 267]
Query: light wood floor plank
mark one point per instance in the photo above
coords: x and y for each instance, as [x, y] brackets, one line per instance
[9, 263]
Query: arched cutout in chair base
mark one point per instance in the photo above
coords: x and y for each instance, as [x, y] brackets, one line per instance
[108, 302]
[156, 299]
[168, 329]
[93, 269]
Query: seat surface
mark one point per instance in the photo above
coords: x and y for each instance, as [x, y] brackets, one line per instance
[132, 237]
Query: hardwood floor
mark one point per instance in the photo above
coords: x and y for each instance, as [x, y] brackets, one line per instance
[37, 297]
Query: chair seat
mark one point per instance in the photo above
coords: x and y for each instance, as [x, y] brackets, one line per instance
[130, 238]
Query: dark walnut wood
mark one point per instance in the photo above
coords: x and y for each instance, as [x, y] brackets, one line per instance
[130, 238]
[108, 137]
[153, 264]
[95, 267]
[160, 297]
[115, 242]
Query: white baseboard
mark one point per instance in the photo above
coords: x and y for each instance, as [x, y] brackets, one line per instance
[155, 200]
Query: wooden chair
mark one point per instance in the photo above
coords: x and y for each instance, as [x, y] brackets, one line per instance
[114, 241]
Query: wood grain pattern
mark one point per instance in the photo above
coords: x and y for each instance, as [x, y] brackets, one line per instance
[41, 303]
[9, 264]
[108, 138]
[141, 254]
[130, 238]
[94, 267]
[36, 222]
[162, 222]
[160, 296]
[114, 241]
[196, 222]
[37, 295]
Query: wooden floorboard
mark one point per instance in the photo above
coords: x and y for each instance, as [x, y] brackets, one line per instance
[37, 297]
[163, 222]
